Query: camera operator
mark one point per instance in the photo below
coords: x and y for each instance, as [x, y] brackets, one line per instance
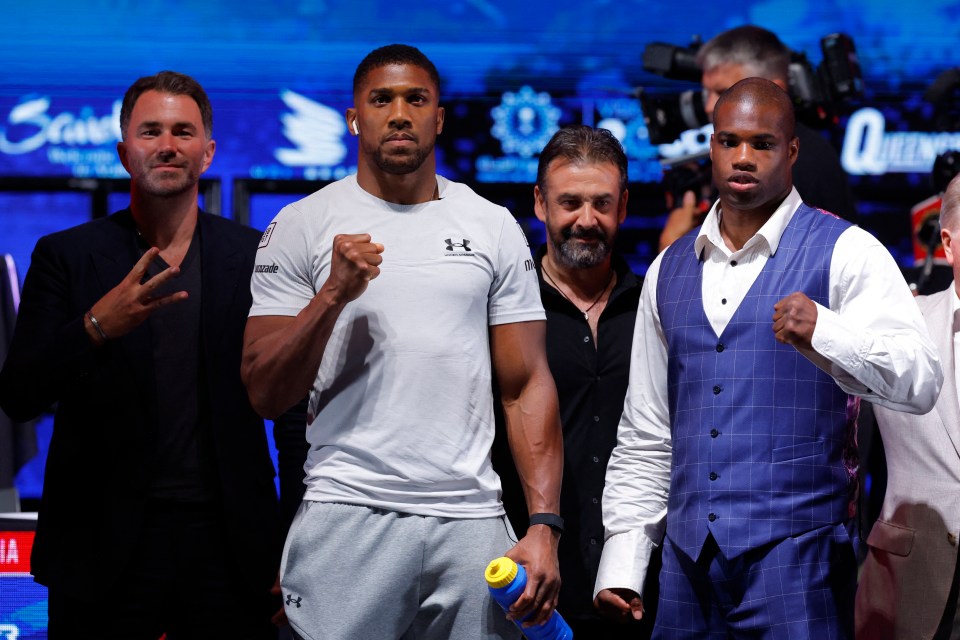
[751, 51]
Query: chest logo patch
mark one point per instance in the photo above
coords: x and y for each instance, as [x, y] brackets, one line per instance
[463, 246]
[455, 248]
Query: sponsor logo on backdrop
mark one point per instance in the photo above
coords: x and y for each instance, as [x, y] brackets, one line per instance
[15, 548]
[9, 632]
[523, 122]
[624, 119]
[9, 551]
[316, 131]
[869, 150]
[83, 140]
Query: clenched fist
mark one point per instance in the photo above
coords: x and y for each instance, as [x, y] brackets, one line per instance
[355, 262]
[794, 319]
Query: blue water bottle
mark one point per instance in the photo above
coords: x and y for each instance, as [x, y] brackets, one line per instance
[506, 581]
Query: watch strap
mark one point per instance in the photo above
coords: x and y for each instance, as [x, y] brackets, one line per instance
[552, 520]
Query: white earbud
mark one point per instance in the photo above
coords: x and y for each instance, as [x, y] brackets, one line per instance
[356, 129]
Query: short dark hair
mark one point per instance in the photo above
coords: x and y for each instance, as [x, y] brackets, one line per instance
[750, 46]
[582, 144]
[172, 83]
[394, 54]
[765, 92]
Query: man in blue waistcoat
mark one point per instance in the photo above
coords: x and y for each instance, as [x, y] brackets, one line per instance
[756, 337]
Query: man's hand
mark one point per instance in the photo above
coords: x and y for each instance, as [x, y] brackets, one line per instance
[279, 619]
[619, 604]
[537, 552]
[794, 319]
[355, 262]
[685, 217]
[128, 304]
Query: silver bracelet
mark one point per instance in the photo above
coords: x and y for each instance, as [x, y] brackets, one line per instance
[96, 325]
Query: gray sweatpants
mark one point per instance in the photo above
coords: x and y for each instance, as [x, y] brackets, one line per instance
[355, 573]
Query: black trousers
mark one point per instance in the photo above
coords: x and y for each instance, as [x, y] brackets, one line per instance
[179, 582]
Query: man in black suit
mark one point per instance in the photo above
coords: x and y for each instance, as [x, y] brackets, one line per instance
[158, 513]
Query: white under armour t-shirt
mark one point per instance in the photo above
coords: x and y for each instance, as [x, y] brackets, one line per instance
[401, 412]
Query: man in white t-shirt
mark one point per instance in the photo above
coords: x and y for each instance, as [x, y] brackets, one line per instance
[392, 297]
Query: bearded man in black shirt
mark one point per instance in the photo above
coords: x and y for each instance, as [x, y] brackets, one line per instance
[590, 297]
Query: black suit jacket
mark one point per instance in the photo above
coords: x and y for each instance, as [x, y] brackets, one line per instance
[102, 451]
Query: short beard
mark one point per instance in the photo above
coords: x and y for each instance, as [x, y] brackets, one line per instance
[576, 256]
[402, 165]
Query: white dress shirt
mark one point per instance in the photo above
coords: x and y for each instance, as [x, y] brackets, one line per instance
[872, 340]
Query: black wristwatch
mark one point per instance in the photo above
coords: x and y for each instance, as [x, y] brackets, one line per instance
[552, 520]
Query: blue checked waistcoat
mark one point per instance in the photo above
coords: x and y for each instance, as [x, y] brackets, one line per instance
[759, 433]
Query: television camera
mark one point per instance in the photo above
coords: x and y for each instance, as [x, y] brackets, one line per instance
[817, 92]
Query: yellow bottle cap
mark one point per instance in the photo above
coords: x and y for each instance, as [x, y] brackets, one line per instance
[500, 572]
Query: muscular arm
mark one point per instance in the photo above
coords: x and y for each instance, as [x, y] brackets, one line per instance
[281, 354]
[536, 441]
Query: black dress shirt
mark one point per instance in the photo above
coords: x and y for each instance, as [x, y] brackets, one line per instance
[591, 384]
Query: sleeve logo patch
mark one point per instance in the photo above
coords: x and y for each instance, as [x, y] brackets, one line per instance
[265, 238]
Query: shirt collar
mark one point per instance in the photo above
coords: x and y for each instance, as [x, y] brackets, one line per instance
[771, 231]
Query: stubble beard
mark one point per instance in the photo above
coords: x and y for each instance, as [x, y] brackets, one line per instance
[166, 187]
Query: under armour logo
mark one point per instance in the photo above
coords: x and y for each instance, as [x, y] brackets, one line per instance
[465, 245]
[291, 601]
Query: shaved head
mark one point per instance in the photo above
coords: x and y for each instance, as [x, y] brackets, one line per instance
[756, 93]
[753, 148]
